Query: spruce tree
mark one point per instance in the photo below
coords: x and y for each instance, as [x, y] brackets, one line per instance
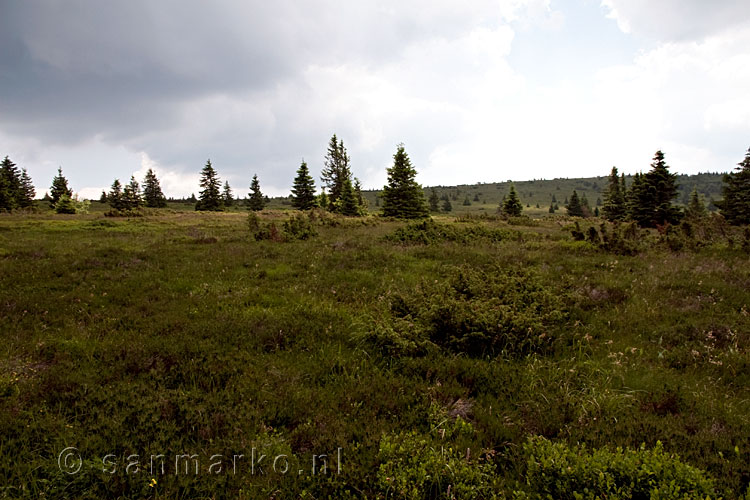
[638, 201]
[323, 199]
[662, 189]
[614, 198]
[347, 201]
[255, 199]
[335, 170]
[402, 196]
[65, 204]
[152, 195]
[303, 190]
[585, 207]
[27, 192]
[575, 209]
[59, 187]
[10, 185]
[361, 201]
[131, 195]
[434, 201]
[226, 195]
[103, 197]
[447, 207]
[467, 201]
[735, 207]
[696, 208]
[210, 195]
[115, 196]
[512, 206]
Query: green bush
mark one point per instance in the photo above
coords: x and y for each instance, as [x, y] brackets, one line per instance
[427, 232]
[556, 470]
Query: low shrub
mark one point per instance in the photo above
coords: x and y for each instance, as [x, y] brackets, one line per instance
[428, 232]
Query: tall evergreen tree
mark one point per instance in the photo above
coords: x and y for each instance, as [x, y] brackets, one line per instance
[10, 185]
[65, 205]
[434, 201]
[303, 190]
[323, 199]
[638, 201]
[226, 195]
[27, 193]
[614, 198]
[210, 195]
[696, 208]
[361, 201]
[59, 187]
[447, 207]
[735, 207]
[336, 170]
[115, 196]
[152, 195]
[585, 206]
[131, 195]
[512, 206]
[575, 209]
[662, 189]
[402, 196]
[255, 199]
[347, 202]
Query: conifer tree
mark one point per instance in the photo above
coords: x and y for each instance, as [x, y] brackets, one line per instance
[115, 196]
[27, 193]
[662, 189]
[335, 170]
[614, 198]
[467, 201]
[103, 197]
[59, 187]
[323, 199]
[585, 206]
[447, 207]
[575, 209]
[10, 185]
[303, 190]
[210, 195]
[696, 208]
[65, 205]
[637, 200]
[226, 195]
[434, 201]
[402, 196]
[361, 201]
[735, 207]
[347, 202]
[512, 206]
[131, 195]
[152, 194]
[255, 199]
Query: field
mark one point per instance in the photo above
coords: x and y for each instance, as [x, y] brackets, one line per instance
[464, 358]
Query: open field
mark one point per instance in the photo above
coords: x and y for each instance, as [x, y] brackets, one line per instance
[419, 369]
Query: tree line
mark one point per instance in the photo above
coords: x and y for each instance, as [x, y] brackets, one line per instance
[647, 201]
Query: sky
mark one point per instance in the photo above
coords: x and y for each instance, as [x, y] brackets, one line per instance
[478, 91]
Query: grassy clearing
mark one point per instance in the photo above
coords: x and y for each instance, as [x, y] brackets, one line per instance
[182, 333]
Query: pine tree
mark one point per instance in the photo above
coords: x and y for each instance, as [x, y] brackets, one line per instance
[637, 201]
[336, 170]
[65, 205]
[255, 199]
[303, 190]
[361, 201]
[323, 199]
[551, 208]
[210, 196]
[347, 202]
[131, 195]
[614, 198]
[585, 207]
[512, 206]
[575, 209]
[27, 193]
[10, 185]
[226, 195]
[467, 201]
[152, 194]
[59, 187]
[447, 207]
[402, 196]
[115, 196]
[696, 208]
[735, 207]
[434, 201]
[662, 189]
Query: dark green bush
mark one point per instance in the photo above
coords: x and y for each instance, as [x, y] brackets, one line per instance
[427, 232]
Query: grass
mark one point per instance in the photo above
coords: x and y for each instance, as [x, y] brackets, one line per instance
[179, 332]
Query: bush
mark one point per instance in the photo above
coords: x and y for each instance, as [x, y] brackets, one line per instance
[473, 312]
[555, 470]
[299, 227]
[428, 232]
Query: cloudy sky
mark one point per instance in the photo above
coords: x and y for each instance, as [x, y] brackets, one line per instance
[479, 90]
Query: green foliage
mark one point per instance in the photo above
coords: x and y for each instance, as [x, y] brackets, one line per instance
[209, 198]
[297, 227]
[447, 207]
[255, 199]
[696, 209]
[227, 197]
[512, 206]
[402, 196]
[59, 187]
[303, 190]
[478, 312]
[10, 186]
[429, 232]
[556, 470]
[153, 196]
[735, 207]
[434, 201]
[336, 169]
[575, 209]
[131, 195]
[346, 204]
[65, 205]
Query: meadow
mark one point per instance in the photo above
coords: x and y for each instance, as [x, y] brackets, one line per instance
[469, 357]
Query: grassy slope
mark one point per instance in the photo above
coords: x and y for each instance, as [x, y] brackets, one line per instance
[178, 333]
